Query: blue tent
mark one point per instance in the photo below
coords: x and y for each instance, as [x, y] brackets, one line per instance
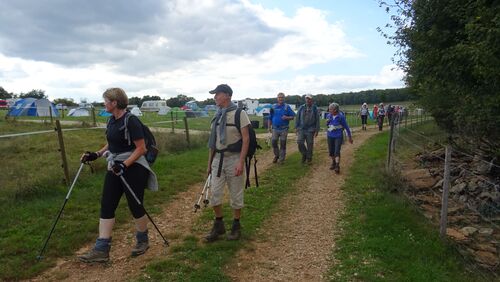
[103, 113]
[33, 107]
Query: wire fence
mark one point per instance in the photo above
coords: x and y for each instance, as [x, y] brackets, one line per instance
[456, 190]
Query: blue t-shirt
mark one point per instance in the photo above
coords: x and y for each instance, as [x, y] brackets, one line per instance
[335, 125]
[277, 111]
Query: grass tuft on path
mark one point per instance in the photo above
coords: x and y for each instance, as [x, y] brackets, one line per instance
[383, 237]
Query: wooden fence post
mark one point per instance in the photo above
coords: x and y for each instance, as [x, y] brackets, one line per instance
[172, 119]
[187, 131]
[62, 149]
[389, 152]
[93, 117]
[446, 187]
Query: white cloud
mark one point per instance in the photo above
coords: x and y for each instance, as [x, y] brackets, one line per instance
[179, 47]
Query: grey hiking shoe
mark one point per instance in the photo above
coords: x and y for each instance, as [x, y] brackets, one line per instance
[235, 233]
[217, 230]
[94, 256]
[140, 248]
[337, 168]
[332, 167]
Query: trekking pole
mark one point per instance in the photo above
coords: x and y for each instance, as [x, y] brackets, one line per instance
[255, 171]
[206, 201]
[109, 158]
[39, 257]
[203, 191]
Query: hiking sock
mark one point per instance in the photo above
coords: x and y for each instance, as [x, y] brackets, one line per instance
[236, 224]
[142, 236]
[103, 244]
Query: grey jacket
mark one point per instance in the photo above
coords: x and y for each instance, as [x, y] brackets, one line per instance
[152, 180]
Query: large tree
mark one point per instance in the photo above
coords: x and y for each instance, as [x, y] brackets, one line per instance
[35, 93]
[450, 51]
[4, 94]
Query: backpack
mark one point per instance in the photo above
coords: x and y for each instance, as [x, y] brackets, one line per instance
[149, 139]
[253, 146]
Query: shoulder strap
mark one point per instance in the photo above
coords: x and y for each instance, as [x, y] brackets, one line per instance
[237, 119]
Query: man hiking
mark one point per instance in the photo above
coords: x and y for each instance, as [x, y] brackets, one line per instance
[279, 118]
[228, 147]
[307, 127]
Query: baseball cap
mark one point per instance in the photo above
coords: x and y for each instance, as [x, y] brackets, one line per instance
[309, 96]
[222, 88]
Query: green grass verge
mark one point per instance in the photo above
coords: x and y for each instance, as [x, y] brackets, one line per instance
[383, 237]
[196, 261]
[26, 219]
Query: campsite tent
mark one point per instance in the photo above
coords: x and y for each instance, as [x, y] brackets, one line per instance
[103, 113]
[79, 112]
[136, 111]
[33, 107]
[164, 110]
[263, 110]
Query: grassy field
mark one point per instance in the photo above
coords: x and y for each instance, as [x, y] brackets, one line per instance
[32, 191]
[152, 119]
[383, 237]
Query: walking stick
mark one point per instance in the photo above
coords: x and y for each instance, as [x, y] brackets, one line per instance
[39, 257]
[255, 171]
[109, 158]
[204, 191]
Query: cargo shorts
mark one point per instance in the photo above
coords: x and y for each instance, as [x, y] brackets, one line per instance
[234, 183]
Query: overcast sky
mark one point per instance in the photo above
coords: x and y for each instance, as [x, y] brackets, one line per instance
[79, 48]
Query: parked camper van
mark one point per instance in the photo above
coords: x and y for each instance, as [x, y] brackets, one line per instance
[3, 104]
[153, 106]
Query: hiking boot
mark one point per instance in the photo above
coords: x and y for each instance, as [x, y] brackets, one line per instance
[337, 168]
[309, 161]
[140, 248]
[142, 243]
[275, 160]
[332, 167]
[217, 230]
[95, 256]
[304, 159]
[235, 232]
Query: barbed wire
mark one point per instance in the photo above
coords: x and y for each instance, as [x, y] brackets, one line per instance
[459, 151]
[470, 207]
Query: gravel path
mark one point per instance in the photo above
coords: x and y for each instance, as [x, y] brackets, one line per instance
[296, 243]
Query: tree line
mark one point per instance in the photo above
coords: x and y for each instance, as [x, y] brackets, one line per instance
[450, 51]
[323, 100]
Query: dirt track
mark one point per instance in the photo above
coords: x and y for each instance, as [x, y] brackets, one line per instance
[284, 251]
[295, 244]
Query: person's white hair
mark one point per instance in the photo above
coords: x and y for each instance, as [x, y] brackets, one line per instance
[335, 106]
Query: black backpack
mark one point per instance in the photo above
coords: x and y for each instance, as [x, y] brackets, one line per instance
[253, 146]
[149, 139]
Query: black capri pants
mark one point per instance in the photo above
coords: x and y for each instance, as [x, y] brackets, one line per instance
[334, 145]
[364, 119]
[137, 178]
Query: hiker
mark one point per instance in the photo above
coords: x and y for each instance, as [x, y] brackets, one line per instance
[280, 116]
[129, 161]
[228, 149]
[307, 128]
[380, 116]
[336, 124]
[375, 112]
[364, 112]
